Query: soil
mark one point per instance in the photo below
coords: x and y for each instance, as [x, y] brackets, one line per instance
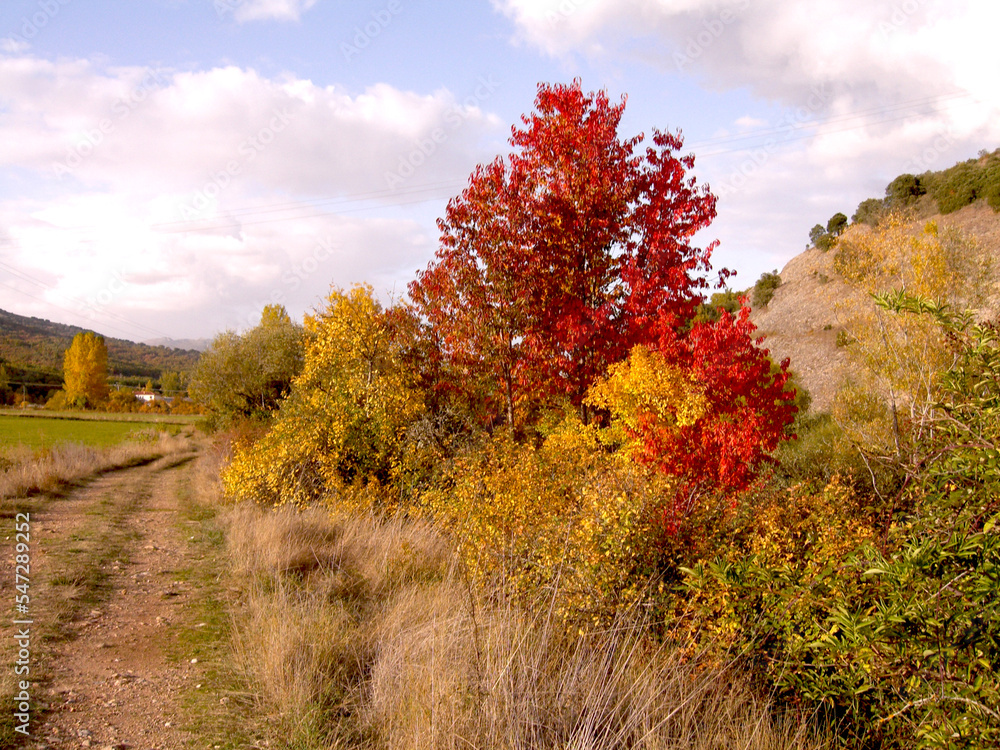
[114, 602]
[802, 320]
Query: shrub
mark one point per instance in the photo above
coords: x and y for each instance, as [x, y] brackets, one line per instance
[565, 512]
[345, 421]
[763, 290]
[869, 212]
[122, 400]
[903, 191]
[836, 224]
[59, 401]
[895, 634]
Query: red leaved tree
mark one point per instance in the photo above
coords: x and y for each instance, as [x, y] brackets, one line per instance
[750, 408]
[555, 261]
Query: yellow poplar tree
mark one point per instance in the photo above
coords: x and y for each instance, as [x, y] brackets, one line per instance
[85, 370]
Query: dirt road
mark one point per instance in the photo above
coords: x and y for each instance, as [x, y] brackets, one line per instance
[127, 624]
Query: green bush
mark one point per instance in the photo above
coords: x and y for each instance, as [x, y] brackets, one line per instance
[728, 300]
[763, 290]
[895, 636]
[903, 191]
[960, 187]
[836, 224]
[825, 242]
[869, 212]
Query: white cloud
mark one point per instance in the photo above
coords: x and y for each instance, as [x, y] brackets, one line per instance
[747, 122]
[205, 191]
[158, 130]
[13, 46]
[781, 49]
[265, 10]
[90, 261]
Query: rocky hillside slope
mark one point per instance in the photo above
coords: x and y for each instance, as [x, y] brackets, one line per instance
[801, 321]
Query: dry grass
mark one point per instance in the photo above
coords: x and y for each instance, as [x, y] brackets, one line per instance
[27, 472]
[354, 633]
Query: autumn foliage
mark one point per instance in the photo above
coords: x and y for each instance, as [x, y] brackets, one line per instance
[344, 422]
[708, 408]
[553, 397]
[85, 370]
[562, 401]
[557, 260]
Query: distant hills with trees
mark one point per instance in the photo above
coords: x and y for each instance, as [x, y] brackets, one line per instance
[32, 352]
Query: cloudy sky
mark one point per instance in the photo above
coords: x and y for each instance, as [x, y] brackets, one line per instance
[168, 167]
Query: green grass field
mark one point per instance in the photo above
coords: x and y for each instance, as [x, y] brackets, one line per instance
[101, 416]
[43, 432]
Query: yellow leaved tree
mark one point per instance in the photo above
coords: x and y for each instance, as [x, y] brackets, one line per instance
[339, 435]
[85, 370]
[646, 395]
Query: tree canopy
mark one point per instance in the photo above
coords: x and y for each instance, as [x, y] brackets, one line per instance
[85, 370]
[558, 259]
[246, 376]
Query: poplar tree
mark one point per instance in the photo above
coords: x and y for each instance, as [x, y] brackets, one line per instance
[85, 370]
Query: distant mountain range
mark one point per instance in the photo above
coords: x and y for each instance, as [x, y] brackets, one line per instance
[32, 351]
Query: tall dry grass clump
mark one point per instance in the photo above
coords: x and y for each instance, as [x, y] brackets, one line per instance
[25, 472]
[359, 633]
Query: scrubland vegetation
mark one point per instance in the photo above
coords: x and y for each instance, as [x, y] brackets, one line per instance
[941, 192]
[553, 501]
[366, 633]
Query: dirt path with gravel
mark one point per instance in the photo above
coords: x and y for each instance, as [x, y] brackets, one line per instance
[127, 625]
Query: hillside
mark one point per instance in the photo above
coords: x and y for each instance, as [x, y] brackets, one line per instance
[801, 321]
[32, 349]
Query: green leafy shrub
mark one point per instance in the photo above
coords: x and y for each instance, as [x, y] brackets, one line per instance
[728, 300]
[870, 212]
[836, 224]
[763, 290]
[903, 191]
[892, 631]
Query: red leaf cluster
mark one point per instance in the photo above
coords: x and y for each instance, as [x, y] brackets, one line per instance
[559, 259]
[555, 261]
[750, 410]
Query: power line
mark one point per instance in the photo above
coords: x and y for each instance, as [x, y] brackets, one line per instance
[106, 313]
[822, 127]
[417, 194]
[859, 118]
[847, 117]
[320, 214]
[316, 203]
[58, 307]
[854, 120]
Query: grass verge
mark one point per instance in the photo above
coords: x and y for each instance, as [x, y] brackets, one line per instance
[25, 473]
[216, 712]
[355, 633]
